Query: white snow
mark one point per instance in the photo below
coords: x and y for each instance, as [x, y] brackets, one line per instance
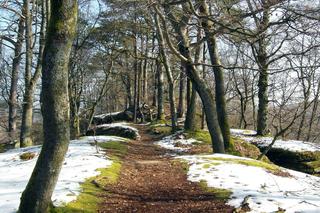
[267, 192]
[81, 162]
[108, 114]
[290, 145]
[172, 142]
[120, 124]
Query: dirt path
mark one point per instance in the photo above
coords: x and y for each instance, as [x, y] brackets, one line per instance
[151, 182]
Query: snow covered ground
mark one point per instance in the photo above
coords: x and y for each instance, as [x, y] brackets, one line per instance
[177, 142]
[81, 162]
[290, 145]
[266, 192]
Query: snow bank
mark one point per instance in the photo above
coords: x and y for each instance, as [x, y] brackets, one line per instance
[267, 192]
[108, 114]
[290, 145]
[120, 124]
[81, 162]
[177, 142]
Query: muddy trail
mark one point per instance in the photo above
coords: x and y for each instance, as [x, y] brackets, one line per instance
[150, 181]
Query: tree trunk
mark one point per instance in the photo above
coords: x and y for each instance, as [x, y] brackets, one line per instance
[263, 102]
[190, 122]
[160, 115]
[262, 59]
[14, 77]
[55, 108]
[145, 74]
[221, 105]
[135, 87]
[180, 110]
[26, 123]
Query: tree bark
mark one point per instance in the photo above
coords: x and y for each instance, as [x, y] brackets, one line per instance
[55, 107]
[190, 122]
[160, 115]
[180, 110]
[263, 101]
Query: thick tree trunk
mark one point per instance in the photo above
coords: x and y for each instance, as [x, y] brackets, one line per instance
[55, 108]
[218, 74]
[14, 78]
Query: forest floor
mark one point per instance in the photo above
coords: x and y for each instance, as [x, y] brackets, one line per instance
[152, 182]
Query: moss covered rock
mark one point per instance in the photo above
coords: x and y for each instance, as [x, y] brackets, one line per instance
[308, 162]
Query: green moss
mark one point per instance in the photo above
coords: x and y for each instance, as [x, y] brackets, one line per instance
[92, 190]
[2, 148]
[157, 122]
[313, 167]
[115, 147]
[255, 163]
[200, 135]
[208, 165]
[245, 149]
[291, 156]
[223, 194]
[162, 130]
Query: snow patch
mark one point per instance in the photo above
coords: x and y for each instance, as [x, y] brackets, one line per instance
[173, 142]
[267, 192]
[80, 163]
[120, 124]
[108, 114]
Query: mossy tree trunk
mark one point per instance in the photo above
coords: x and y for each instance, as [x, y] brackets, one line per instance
[55, 107]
